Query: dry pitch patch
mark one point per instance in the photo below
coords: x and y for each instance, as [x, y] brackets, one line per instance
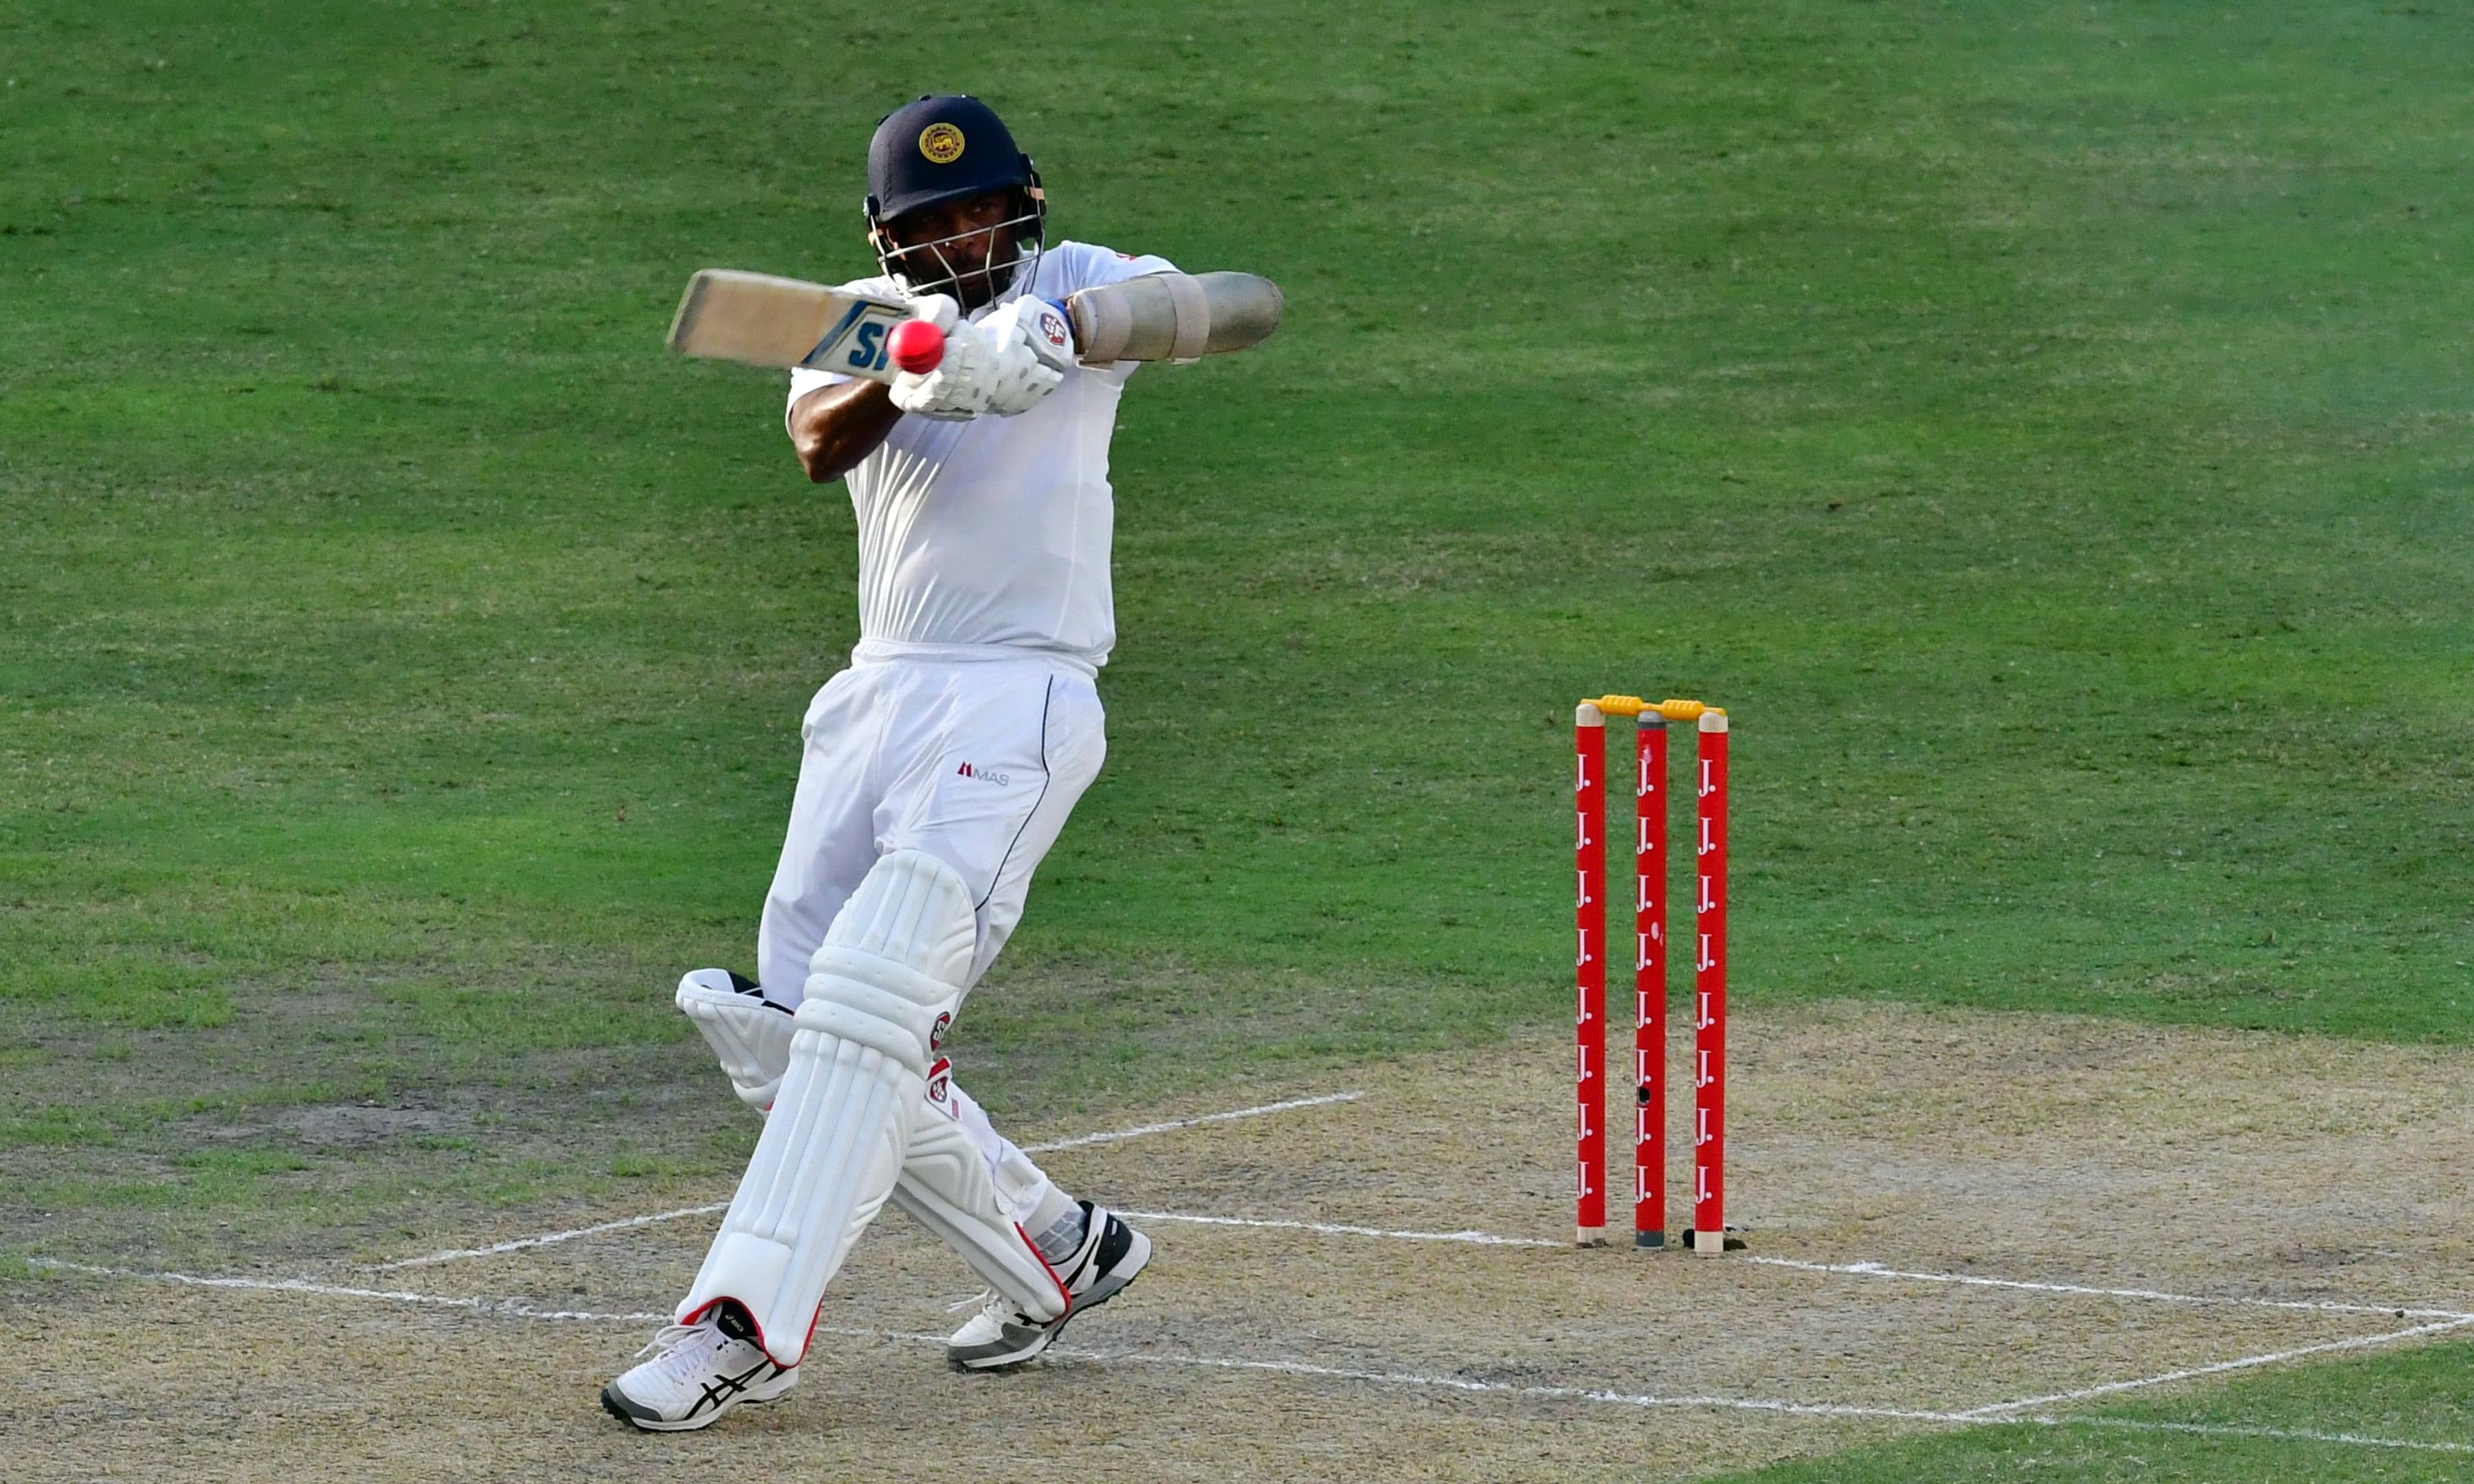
[2273, 1196]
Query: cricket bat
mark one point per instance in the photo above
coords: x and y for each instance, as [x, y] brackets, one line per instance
[764, 321]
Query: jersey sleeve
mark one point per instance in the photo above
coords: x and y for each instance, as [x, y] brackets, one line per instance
[1087, 267]
[806, 379]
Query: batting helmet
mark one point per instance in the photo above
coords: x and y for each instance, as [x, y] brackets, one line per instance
[940, 148]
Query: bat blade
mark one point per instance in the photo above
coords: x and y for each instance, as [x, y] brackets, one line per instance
[764, 321]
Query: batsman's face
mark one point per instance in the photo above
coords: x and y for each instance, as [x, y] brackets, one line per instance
[971, 241]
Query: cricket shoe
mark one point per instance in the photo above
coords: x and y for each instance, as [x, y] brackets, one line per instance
[1000, 1335]
[691, 1373]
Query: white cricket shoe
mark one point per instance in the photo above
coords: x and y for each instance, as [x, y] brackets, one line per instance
[691, 1373]
[1000, 1335]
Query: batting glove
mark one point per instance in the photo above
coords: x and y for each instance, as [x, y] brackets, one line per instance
[1036, 346]
[958, 389]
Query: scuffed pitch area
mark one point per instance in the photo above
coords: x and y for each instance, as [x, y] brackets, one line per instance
[2259, 1197]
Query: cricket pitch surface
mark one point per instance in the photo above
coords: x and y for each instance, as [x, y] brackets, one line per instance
[1955, 1218]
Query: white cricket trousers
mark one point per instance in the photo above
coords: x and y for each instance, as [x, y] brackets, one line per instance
[977, 761]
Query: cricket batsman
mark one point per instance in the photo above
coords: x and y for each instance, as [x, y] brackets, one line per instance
[936, 772]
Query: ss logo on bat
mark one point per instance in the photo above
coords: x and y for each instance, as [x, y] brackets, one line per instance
[869, 355]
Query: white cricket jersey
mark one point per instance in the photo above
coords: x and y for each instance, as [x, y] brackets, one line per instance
[993, 534]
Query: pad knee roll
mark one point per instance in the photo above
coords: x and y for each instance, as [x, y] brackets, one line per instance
[891, 971]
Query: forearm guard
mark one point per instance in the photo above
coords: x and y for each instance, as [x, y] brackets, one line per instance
[1172, 317]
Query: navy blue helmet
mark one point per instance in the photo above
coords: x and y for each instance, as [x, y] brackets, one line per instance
[940, 148]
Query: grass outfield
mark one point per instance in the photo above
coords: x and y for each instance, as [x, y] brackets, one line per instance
[2047, 430]
[2252, 1429]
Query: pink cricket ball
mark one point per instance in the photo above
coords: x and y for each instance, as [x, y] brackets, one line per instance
[916, 346]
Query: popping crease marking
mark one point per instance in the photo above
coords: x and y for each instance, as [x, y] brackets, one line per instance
[508, 1308]
[2452, 1317]
[1116, 1136]
[1874, 1270]
[1977, 1417]
[1510, 1389]
[515, 1309]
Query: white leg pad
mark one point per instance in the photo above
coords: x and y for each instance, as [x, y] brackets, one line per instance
[946, 1185]
[750, 1038]
[883, 990]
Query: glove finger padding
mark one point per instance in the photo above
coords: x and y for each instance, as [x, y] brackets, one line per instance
[959, 387]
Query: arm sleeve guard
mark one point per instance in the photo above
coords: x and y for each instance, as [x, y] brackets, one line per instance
[1172, 317]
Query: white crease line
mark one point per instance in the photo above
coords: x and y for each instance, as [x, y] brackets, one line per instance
[2081, 1291]
[1333, 1228]
[1854, 1269]
[510, 1308]
[1982, 1416]
[2277, 1434]
[500, 1309]
[548, 1239]
[513, 1309]
[1510, 1389]
[1325, 1101]
[2221, 1367]
[553, 1238]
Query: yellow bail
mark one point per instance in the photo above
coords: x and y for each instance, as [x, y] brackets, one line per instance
[1635, 705]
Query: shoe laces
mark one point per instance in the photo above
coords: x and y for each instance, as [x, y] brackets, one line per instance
[675, 1349]
[994, 1304]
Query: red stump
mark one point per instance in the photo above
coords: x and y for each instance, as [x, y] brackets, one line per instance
[1649, 984]
[1710, 994]
[1590, 964]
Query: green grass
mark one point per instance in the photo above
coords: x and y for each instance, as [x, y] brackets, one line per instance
[2045, 432]
[2422, 1398]
[2046, 428]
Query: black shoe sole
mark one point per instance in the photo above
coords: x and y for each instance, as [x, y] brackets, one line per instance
[618, 1406]
[616, 1403]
